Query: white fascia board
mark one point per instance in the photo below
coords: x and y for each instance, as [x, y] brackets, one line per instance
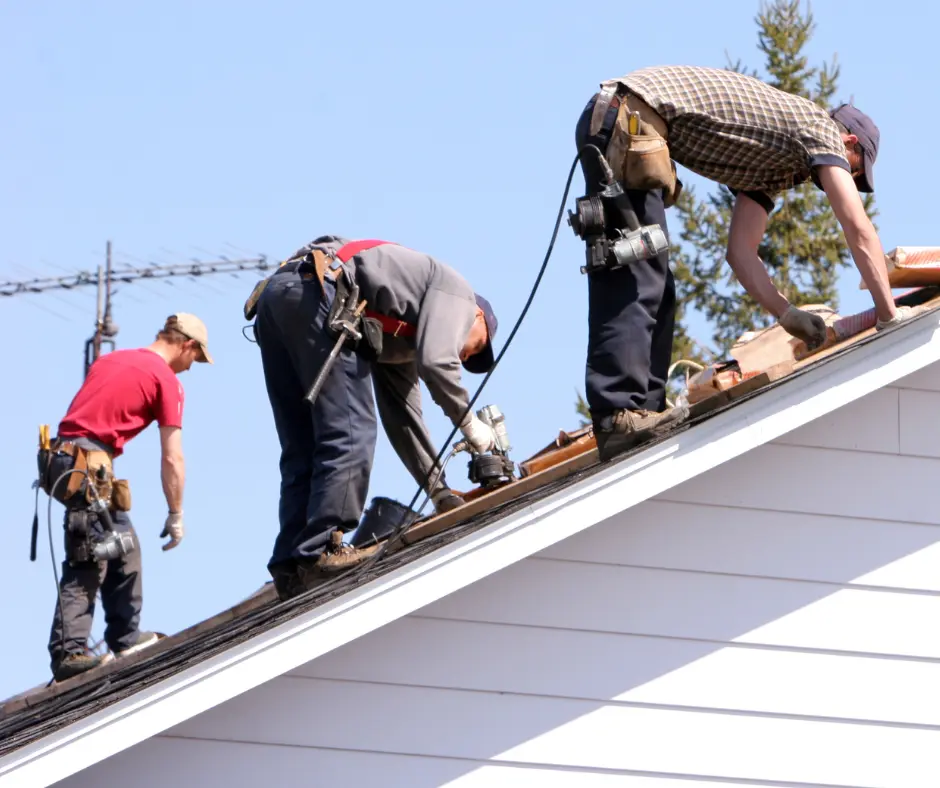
[545, 522]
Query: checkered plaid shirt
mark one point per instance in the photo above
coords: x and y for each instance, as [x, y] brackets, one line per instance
[737, 130]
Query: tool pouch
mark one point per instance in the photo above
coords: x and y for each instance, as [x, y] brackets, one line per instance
[100, 474]
[120, 495]
[52, 465]
[370, 348]
[641, 157]
[43, 460]
[251, 305]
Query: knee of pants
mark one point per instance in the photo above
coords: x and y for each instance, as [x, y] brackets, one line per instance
[363, 443]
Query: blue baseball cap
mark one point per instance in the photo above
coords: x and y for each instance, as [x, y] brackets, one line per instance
[482, 362]
[863, 127]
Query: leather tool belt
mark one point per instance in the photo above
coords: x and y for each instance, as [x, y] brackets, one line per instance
[638, 146]
[75, 489]
[323, 266]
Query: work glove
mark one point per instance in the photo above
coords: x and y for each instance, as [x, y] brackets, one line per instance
[901, 314]
[445, 500]
[479, 435]
[804, 325]
[173, 527]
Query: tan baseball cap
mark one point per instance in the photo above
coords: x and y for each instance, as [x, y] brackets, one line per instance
[191, 326]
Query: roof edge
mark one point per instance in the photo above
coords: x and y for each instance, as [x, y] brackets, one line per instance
[794, 402]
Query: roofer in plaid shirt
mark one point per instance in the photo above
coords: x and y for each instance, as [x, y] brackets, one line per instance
[758, 141]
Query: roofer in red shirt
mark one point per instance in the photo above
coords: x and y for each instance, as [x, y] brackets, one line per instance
[124, 392]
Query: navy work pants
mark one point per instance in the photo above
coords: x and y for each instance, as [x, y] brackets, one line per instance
[326, 448]
[631, 310]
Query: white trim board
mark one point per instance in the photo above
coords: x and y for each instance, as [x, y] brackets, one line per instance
[791, 404]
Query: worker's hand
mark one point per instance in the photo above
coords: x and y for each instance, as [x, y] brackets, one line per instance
[446, 499]
[901, 313]
[173, 527]
[804, 325]
[480, 435]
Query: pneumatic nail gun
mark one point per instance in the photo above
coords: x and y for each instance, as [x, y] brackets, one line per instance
[493, 468]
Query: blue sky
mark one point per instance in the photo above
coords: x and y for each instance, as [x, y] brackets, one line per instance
[182, 130]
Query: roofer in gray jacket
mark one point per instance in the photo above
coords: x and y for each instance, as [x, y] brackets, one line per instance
[432, 323]
[734, 129]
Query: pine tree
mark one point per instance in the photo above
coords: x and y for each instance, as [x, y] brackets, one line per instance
[803, 247]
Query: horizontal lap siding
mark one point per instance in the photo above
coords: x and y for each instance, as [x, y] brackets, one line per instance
[572, 733]
[208, 764]
[772, 622]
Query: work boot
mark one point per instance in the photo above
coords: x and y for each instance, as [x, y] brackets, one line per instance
[338, 557]
[73, 664]
[144, 639]
[626, 429]
[287, 582]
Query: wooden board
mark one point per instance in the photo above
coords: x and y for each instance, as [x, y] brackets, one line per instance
[722, 398]
[545, 460]
[549, 466]
[508, 492]
[773, 345]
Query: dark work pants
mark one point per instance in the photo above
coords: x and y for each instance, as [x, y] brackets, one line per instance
[121, 587]
[631, 310]
[326, 448]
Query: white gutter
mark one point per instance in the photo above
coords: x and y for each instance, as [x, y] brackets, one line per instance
[620, 486]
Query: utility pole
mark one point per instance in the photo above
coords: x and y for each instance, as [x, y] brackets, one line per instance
[106, 276]
[105, 330]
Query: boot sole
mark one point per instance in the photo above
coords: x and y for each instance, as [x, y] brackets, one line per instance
[626, 441]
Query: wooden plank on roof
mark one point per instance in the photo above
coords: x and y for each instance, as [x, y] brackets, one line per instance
[566, 465]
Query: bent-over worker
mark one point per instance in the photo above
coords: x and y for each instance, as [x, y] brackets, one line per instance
[431, 323]
[758, 141]
[124, 392]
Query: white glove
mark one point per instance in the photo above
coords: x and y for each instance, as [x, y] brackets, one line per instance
[480, 435]
[902, 313]
[804, 325]
[173, 527]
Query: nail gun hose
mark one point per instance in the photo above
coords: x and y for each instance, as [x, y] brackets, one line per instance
[437, 477]
[407, 516]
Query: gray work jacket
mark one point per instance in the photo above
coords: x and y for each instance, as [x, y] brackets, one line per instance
[430, 295]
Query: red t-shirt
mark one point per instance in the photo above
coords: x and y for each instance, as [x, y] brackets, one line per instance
[125, 390]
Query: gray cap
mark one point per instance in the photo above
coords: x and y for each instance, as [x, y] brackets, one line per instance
[863, 127]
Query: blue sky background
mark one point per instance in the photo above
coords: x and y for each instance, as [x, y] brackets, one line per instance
[182, 130]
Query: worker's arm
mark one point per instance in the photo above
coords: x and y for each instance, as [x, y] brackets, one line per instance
[173, 477]
[443, 326]
[398, 397]
[748, 225]
[860, 235]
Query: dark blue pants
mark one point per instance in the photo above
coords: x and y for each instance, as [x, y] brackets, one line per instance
[631, 310]
[326, 448]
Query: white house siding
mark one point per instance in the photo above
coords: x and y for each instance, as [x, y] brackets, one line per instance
[774, 622]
